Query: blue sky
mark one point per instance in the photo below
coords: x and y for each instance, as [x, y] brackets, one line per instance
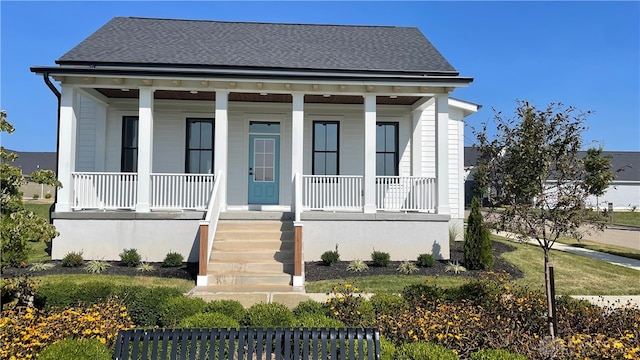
[584, 54]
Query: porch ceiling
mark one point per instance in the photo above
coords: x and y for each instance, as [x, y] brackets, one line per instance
[256, 97]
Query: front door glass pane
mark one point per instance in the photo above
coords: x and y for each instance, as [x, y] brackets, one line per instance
[264, 160]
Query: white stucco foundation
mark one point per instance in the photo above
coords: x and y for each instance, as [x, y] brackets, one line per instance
[403, 236]
[103, 236]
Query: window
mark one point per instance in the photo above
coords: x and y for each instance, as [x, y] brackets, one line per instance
[387, 149]
[326, 139]
[129, 153]
[199, 146]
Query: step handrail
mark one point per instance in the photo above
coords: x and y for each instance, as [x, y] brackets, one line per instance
[208, 228]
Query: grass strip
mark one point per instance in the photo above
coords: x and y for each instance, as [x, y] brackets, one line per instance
[148, 281]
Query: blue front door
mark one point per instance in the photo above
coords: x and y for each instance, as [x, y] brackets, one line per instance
[264, 169]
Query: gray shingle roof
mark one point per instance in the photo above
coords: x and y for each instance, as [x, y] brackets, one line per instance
[30, 161]
[129, 40]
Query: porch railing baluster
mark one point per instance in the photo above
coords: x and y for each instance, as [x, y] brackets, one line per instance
[405, 193]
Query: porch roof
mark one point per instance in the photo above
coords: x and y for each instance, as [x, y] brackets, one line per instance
[204, 44]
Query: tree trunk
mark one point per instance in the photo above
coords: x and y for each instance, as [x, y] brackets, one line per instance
[548, 282]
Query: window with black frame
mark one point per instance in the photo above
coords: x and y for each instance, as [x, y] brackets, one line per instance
[326, 153]
[387, 149]
[129, 151]
[199, 151]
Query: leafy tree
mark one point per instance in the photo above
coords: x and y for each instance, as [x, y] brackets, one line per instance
[599, 174]
[18, 224]
[536, 178]
[477, 241]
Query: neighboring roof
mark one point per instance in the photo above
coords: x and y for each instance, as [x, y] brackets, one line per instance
[196, 43]
[628, 162]
[32, 161]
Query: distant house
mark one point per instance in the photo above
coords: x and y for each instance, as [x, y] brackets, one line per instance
[623, 193]
[29, 161]
[252, 147]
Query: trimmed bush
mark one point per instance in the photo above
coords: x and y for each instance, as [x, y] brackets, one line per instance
[47, 195]
[387, 349]
[311, 320]
[348, 307]
[66, 294]
[230, 308]
[420, 294]
[424, 351]
[173, 259]
[426, 260]
[130, 257]
[268, 315]
[36, 196]
[177, 308]
[77, 349]
[209, 320]
[380, 258]
[145, 304]
[330, 257]
[477, 241]
[72, 259]
[309, 307]
[388, 303]
[491, 354]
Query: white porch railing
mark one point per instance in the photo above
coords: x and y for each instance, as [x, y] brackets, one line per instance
[405, 193]
[181, 191]
[104, 191]
[208, 228]
[332, 192]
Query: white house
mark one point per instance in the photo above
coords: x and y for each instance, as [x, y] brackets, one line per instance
[253, 147]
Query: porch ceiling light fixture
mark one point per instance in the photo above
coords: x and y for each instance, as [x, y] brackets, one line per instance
[263, 94]
[326, 95]
[393, 97]
[193, 92]
[125, 89]
[369, 88]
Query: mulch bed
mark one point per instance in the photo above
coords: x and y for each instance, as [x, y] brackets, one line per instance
[314, 270]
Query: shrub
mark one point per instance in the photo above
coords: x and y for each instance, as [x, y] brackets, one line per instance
[387, 349]
[422, 294]
[317, 321]
[477, 241]
[454, 267]
[380, 258]
[47, 195]
[357, 266]
[345, 306]
[72, 259]
[40, 266]
[96, 266]
[309, 307]
[388, 303]
[407, 268]
[491, 354]
[36, 196]
[66, 294]
[177, 308]
[268, 315]
[130, 257]
[77, 349]
[18, 228]
[173, 259]
[19, 291]
[231, 308]
[145, 304]
[330, 257]
[145, 267]
[424, 351]
[209, 320]
[426, 260]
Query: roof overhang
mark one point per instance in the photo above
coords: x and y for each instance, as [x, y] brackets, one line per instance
[467, 108]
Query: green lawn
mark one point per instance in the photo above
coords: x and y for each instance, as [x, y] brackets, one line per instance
[149, 281]
[574, 275]
[630, 218]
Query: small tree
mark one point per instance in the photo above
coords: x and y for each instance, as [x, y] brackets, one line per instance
[536, 178]
[18, 224]
[598, 173]
[477, 241]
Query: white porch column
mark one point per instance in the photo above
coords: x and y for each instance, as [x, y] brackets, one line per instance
[67, 147]
[297, 135]
[369, 154]
[416, 143]
[221, 144]
[145, 148]
[442, 153]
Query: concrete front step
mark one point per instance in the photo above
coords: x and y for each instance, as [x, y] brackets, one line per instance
[253, 235]
[252, 245]
[249, 279]
[251, 267]
[254, 225]
[248, 256]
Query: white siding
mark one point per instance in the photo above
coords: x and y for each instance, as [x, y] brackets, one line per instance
[429, 140]
[86, 135]
[456, 163]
